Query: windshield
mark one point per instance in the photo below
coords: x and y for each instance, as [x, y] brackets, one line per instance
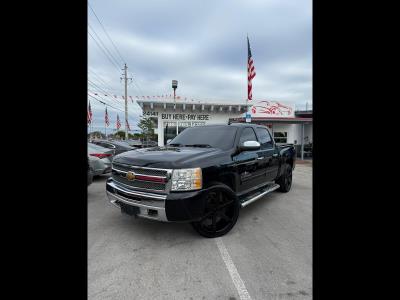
[221, 137]
[122, 144]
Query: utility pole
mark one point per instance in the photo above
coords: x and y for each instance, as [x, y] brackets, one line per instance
[126, 99]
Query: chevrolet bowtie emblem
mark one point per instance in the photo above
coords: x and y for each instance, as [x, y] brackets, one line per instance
[130, 175]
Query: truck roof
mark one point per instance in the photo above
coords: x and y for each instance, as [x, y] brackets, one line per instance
[243, 124]
[232, 124]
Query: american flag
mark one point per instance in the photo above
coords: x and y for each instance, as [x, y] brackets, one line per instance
[89, 114]
[127, 125]
[118, 123]
[251, 71]
[106, 118]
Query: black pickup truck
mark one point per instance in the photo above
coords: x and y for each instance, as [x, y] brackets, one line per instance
[203, 176]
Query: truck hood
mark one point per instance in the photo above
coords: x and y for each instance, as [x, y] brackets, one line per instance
[168, 157]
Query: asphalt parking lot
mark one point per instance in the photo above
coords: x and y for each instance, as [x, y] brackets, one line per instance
[268, 254]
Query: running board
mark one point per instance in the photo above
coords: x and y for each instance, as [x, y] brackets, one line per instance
[268, 190]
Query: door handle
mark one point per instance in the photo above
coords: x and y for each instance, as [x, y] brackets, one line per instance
[260, 158]
[275, 155]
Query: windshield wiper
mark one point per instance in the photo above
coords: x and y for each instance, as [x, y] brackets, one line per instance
[175, 145]
[199, 145]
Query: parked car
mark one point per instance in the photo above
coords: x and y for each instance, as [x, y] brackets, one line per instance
[147, 144]
[117, 146]
[204, 176]
[90, 173]
[134, 143]
[100, 159]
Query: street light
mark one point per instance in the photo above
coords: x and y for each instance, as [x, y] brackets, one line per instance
[175, 86]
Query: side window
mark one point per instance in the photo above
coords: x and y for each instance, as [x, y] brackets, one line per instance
[105, 145]
[247, 135]
[109, 146]
[265, 138]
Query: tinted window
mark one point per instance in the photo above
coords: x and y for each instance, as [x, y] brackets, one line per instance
[221, 137]
[121, 144]
[264, 137]
[106, 145]
[247, 135]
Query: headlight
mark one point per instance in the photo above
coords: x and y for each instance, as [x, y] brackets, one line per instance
[186, 179]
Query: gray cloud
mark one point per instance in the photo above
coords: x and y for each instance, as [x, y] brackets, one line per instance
[202, 44]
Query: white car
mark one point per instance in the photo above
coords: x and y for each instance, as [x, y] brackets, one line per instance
[100, 159]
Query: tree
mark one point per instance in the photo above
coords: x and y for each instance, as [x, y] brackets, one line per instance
[147, 126]
[96, 134]
[120, 134]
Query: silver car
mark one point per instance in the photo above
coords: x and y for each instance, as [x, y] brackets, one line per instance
[100, 159]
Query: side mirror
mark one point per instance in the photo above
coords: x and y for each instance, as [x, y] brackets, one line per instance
[250, 146]
[169, 141]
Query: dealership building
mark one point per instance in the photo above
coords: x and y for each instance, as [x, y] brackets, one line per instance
[286, 125]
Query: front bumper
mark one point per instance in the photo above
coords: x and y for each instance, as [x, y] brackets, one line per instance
[172, 207]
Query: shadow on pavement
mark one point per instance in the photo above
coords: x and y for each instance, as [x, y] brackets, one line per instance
[101, 178]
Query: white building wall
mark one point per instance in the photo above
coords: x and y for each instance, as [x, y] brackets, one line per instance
[194, 117]
[207, 117]
[307, 133]
[291, 130]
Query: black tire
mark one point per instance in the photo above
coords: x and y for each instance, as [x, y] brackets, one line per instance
[221, 214]
[285, 181]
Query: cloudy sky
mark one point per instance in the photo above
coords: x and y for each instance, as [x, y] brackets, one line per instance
[202, 44]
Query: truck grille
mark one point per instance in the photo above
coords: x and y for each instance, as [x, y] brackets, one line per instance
[138, 170]
[119, 175]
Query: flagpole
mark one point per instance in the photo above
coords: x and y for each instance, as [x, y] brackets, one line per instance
[247, 81]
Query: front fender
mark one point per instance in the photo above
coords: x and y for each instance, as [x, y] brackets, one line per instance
[190, 206]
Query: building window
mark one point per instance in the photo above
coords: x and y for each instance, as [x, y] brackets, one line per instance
[280, 137]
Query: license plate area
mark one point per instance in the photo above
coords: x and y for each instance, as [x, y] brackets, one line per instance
[130, 210]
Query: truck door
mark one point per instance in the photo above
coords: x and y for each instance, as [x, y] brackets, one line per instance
[247, 163]
[268, 154]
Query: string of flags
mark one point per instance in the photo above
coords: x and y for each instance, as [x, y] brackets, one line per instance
[139, 97]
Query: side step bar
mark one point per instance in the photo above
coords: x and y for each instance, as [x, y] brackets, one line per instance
[268, 190]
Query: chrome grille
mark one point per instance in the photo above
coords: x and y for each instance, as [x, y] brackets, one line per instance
[139, 184]
[143, 171]
[119, 175]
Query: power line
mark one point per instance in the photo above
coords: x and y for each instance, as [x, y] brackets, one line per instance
[113, 44]
[102, 81]
[104, 100]
[133, 120]
[100, 90]
[136, 84]
[107, 88]
[105, 47]
[114, 101]
[106, 104]
[113, 63]
[123, 60]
